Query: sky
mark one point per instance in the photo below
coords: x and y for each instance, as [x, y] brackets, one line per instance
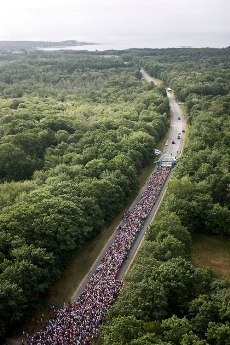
[94, 19]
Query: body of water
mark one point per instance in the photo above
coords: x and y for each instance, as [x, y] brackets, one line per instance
[158, 40]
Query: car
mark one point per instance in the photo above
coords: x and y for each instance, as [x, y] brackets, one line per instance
[183, 131]
[173, 142]
[166, 144]
[178, 118]
[178, 137]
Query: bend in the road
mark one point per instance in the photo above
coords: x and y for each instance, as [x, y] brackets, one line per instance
[177, 125]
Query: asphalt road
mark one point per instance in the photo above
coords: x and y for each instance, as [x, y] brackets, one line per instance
[147, 77]
[177, 125]
[175, 149]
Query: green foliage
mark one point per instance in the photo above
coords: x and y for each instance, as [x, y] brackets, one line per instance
[75, 132]
[14, 164]
[218, 334]
[175, 328]
[194, 308]
[145, 300]
[122, 330]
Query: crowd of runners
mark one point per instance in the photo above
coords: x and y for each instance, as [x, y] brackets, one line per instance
[79, 322]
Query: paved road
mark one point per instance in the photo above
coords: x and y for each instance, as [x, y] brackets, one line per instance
[175, 149]
[147, 77]
[176, 126]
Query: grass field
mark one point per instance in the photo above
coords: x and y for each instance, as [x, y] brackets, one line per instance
[213, 252]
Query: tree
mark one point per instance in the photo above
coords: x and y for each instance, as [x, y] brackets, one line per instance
[14, 164]
[218, 220]
[218, 334]
[175, 328]
[95, 167]
[169, 247]
[168, 223]
[122, 330]
[176, 276]
[52, 223]
[150, 339]
[12, 303]
[192, 339]
[146, 301]
[202, 310]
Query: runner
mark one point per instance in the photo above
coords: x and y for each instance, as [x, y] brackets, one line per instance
[78, 323]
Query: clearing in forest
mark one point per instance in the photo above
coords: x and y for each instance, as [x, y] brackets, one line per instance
[213, 252]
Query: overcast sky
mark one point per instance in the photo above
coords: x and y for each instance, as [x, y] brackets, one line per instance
[82, 19]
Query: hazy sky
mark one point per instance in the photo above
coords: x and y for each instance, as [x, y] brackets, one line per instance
[82, 19]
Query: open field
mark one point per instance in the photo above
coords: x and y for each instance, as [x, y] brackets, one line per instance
[213, 252]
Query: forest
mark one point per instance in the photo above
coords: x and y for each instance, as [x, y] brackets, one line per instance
[76, 130]
[166, 300]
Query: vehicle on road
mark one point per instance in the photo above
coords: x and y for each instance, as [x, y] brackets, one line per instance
[179, 118]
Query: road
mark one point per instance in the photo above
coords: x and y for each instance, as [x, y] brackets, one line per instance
[177, 125]
[174, 149]
[147, 77]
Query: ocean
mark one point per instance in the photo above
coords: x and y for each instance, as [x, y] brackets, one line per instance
[157, 40]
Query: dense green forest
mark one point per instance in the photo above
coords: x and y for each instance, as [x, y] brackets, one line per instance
[76, 130]
[166, 300]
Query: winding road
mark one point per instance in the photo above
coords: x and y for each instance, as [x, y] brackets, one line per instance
[177, 125]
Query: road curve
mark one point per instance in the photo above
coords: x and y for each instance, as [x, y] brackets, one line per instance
[177, 125]
[174, 149]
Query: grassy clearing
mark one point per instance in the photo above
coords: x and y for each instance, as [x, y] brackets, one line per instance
[213, 252]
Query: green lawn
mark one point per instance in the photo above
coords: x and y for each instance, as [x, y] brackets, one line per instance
[213, 252]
